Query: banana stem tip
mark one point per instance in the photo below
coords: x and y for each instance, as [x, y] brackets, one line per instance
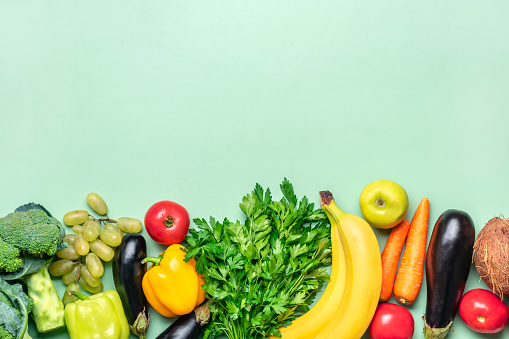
[326, 197]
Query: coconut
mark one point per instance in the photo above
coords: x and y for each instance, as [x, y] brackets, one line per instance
[491, 255]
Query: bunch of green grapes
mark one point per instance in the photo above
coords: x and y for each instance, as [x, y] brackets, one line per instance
[92, 244]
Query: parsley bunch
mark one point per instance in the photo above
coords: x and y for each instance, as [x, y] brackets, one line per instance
[261, 274]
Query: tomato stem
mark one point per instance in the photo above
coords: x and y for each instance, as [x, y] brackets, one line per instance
[168, 220]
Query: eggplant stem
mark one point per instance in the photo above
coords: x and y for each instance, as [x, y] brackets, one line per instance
[436, 333]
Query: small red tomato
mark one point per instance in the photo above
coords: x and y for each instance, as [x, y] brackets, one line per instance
[483, 311]
[167, 222]
[391, 321]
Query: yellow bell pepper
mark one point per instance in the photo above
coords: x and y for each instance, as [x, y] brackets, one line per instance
[172, 286]
[100, 316]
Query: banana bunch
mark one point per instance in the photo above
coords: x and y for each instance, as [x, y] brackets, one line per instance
[349, 302]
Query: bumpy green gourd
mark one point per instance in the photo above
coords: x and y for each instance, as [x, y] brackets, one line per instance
[48, 311]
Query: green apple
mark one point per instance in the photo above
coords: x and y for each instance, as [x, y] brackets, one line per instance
[383, 203]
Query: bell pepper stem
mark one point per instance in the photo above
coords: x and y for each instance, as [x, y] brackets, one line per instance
[155, 260]
[80, 295]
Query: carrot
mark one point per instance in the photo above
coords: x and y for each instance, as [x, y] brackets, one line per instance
[390, 257]
[409, 278]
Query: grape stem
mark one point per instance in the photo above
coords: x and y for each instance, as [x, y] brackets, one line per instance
[103, 220]
[78, 266]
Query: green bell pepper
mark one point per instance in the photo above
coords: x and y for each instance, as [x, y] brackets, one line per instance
[100, 316]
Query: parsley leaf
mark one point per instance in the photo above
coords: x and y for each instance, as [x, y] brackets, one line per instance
[262, 272]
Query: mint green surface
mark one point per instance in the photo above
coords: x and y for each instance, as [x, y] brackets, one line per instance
[196, 101]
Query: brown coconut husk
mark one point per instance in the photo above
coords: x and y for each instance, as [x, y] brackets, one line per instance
[491, 255]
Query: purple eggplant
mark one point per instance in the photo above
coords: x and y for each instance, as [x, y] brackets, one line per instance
[448, 261]
[128, 274]
[188, 326]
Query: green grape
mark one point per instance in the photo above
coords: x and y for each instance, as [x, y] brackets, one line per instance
[75, 217]
[82, 246]
[95, 266]
[61, 267]
[78, 229]
[88, 221]
[68, 297]
[69, 239]
[111, 235]
[88, 288]
[97, 203]
[102, 250]
[91, 230]
[71, 277]
[68, 253]
[85, 274]
[129, 225]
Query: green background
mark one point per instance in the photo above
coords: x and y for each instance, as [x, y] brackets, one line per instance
[196, 101]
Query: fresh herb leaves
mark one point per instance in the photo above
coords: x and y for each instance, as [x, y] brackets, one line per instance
[261, 273]
[15, 306]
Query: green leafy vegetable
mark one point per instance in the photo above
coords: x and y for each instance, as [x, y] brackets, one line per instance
[14, 308]
[261, 273]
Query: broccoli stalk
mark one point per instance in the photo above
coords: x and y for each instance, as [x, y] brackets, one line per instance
[48, 311]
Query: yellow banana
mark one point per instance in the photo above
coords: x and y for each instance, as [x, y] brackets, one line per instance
[312, 322]
[364, 275]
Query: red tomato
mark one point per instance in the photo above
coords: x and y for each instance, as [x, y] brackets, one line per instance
[167, 222]
[391, 321]
[483, 311]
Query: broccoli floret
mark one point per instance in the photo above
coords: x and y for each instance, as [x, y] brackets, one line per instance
[4, 334]
[32, 232]
[10, 260]
[39, 217]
